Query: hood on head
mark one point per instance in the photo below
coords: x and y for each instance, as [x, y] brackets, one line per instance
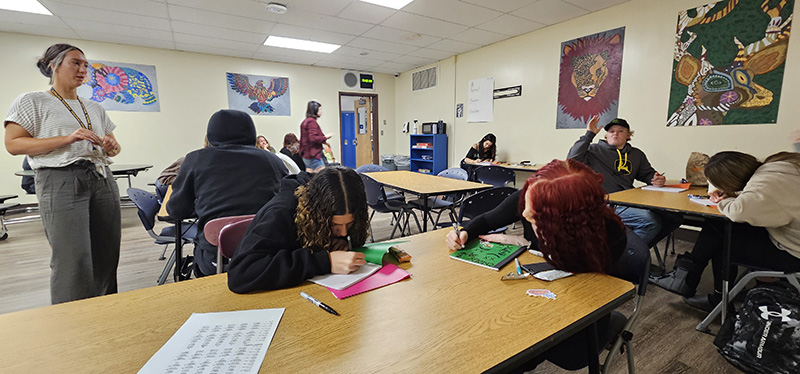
[229, 126]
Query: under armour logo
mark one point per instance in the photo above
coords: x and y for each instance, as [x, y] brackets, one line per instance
[783, 314]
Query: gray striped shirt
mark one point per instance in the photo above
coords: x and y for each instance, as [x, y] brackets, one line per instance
[44, 116]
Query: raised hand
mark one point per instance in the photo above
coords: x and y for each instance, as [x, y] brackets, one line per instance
[592, 125]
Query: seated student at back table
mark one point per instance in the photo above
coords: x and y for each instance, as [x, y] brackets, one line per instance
[763, 201]
[291, 148]
[563, 205]
[621, 164]
[229, 177]
[303, 232]
[483, 151]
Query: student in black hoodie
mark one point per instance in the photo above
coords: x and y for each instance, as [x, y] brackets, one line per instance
[229, 177]
[303, 232]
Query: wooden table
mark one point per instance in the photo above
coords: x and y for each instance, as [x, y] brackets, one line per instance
[679, 203]
[450, 317]
[424, 186]
[118, 170]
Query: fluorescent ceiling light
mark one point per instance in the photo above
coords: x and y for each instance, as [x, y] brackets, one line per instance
[305, 45]
[28, 6]
[395, 4]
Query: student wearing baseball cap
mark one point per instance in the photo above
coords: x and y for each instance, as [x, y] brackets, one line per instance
[621, 164]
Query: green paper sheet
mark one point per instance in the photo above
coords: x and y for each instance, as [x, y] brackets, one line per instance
[375, 251]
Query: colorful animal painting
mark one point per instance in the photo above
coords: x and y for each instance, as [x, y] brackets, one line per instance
[118, 86]
[267, 96]
[728, 62]
[588, 83]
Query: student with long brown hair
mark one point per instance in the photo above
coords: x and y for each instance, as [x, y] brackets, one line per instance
[763, 201]
[303, 232]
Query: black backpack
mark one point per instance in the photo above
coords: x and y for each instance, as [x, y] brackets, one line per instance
[764, 334]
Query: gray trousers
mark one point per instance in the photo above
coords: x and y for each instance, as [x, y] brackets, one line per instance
[81, 218]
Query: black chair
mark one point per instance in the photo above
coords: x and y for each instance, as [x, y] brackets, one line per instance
[634, 266]
[3, 208]
[449, 202]
[483, 202]
[497, 176]
[376, 199]
[148, 206]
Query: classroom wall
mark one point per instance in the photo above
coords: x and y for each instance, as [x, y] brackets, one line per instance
[525, 125]
[191, 88]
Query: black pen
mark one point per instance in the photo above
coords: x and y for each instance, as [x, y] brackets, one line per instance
[318, 303]
[699, 196]
[458, 234]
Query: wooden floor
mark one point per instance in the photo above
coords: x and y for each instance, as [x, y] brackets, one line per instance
[665, 340]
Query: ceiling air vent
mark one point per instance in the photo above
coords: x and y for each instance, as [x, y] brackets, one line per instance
[423, 79]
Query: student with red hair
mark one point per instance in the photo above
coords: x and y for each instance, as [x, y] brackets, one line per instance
[565, 215]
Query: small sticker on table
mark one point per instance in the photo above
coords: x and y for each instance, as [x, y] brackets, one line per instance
[541, 293]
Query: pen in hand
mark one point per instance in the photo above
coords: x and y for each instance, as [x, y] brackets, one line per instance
[349, 244]
[318, 303]
[458, 234]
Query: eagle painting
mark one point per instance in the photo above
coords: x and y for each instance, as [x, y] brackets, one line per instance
[260, 92]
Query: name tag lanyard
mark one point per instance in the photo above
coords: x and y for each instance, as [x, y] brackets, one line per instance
[88, 126]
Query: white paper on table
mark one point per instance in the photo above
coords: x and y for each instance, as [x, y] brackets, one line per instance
[702, 201]
[342, 281]
[225, 342]
[664, 189]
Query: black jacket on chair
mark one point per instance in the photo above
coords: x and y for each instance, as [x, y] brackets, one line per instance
[229, 177]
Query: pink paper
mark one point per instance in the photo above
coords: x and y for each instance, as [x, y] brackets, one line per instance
[387, 275]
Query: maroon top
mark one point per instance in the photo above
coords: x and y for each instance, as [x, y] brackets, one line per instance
[311, 139]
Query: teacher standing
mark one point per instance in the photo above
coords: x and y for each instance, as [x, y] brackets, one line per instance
[68, 142]
[312, 138]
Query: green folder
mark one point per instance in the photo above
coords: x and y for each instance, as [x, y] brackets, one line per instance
[487, 254]
[375, 251]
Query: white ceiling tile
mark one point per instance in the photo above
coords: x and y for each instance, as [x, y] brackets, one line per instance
[239, 8]
[268, 50]
[452, 10]
[30, 19]
[140, 7]
[217, 32]
[359, 60]
[504, 5]
[400, 36]
[382, 46]
[109, 16]
[57, 31]
[298, 32]
[396, 67]
[414, 60]
[324, 22]
[286, 59]
[204, 17]
[216, 43]
[130, 40]
[366, 12]
[420, 24]
[511, 25]
[343, 65]
[454, 46]
[187, 47]
[595, 5]
[351, 51]
[434, 54]
[329, 7]
[479, 36]
[86, 28]
[550, 12]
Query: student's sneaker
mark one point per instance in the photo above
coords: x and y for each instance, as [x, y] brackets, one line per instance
[706, 303]
[675, 281]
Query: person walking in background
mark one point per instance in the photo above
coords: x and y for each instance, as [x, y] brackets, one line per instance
[312, 138]
[68, 142]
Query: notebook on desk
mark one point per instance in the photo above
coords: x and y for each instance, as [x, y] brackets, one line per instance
[672, 188]
[487, 254]
[374, 256]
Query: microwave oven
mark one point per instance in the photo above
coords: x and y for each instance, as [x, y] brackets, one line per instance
[433, 127]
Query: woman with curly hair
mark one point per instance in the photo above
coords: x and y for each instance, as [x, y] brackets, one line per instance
[561, 207]
[482, 151]
[303, 232]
